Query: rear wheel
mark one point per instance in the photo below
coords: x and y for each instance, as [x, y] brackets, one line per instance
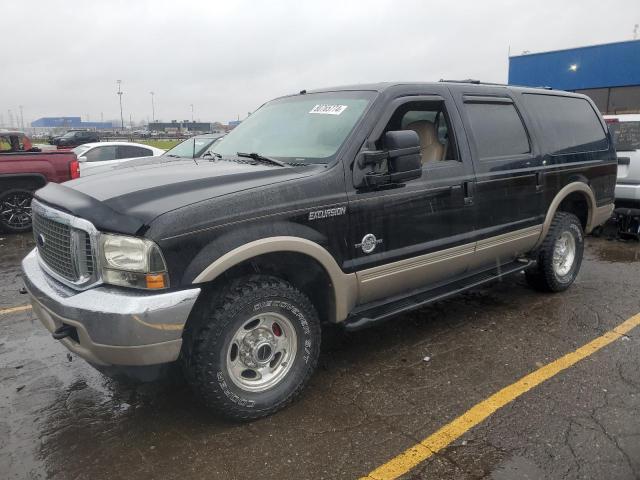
[560, 255]
[15, 210]
[252, 350]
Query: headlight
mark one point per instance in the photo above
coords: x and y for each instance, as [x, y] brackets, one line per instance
[133, 262]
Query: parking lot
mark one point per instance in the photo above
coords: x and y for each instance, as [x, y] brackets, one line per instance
[377, 393]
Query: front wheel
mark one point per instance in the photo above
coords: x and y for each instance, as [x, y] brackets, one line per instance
[252, 350]
[560, 255]
[15, 210]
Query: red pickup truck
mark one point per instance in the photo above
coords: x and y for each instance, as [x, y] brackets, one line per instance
[23, 169]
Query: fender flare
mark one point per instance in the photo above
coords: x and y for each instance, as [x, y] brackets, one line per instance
[564, 192]
[345, 286]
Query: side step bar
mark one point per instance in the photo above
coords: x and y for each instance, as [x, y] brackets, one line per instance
[372, 313]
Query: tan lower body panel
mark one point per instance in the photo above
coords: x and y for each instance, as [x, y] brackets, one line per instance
[393, 278]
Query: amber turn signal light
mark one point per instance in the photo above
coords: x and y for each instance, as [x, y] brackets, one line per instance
[155, 280]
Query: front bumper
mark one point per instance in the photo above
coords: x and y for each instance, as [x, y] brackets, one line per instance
[115, 326]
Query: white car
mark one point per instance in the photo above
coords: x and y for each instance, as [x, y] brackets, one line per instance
[625, 130]
[99, 154]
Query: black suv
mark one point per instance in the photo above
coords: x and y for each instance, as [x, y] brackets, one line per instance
[345, 205]
[75, 138]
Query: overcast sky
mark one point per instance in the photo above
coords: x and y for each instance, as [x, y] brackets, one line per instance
[228, 57]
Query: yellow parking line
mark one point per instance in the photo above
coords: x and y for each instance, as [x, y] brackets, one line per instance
[21, 308]
[418, 453]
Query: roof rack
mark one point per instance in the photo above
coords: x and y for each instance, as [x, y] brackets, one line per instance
[468, 80]
[478, 82]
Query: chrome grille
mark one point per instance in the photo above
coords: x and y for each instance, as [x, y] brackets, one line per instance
[55, 250]
[66, 245]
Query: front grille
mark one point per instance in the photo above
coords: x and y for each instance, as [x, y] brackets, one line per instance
[65, 250]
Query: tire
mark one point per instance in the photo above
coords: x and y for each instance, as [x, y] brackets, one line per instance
[15, 210]
[253, 348]
[566, 235]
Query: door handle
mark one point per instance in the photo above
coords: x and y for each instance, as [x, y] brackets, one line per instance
[539, 181]
[467, 192]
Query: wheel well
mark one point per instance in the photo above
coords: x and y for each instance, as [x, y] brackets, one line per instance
[302, 271]
[577, 204]
[27, 182]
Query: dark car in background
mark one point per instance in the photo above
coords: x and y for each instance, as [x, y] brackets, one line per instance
[75, 138]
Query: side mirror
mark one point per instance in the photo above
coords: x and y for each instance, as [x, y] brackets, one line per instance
[400, 160]
[82, 159]
[405, 160]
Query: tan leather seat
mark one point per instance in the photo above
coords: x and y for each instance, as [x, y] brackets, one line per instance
[430, 147]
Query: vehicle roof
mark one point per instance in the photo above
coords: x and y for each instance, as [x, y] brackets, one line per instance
[129, 144]
[12, 132]
[101, 144]
[382, 86]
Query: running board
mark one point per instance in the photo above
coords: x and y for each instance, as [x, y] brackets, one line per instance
[374, 312]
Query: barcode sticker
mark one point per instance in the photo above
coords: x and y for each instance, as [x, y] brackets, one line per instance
[328, 109]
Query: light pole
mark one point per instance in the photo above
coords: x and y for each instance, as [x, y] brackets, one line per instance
[153, 108]
[120, 92]
[21, 118]
[191, 105]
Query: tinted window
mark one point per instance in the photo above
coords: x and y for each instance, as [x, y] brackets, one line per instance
[626, 135]
[127, 151]
[497, 130]
[567, 124]
[100, 154]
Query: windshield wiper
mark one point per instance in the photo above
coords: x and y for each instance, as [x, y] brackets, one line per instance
[261, 158]
[212, 154]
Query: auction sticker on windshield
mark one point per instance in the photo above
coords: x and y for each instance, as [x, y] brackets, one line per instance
[328, 109]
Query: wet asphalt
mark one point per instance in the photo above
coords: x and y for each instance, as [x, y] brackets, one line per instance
[375, 394]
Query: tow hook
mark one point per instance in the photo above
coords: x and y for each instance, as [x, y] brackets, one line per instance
[63, 332]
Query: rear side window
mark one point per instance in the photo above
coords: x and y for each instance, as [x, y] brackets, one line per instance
[126, 151]
[100, 154]
[626, 135]
[567, 124]
[497, 130]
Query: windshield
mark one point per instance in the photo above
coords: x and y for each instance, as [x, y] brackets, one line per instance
[309, 128]
[626, 135]
[68, 134]
[197, 145]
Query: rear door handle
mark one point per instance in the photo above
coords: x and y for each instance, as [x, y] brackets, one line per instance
[467, 191]
[539, 181]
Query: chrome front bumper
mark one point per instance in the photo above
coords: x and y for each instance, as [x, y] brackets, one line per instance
[114, 326]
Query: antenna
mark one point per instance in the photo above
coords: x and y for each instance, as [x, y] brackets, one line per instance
[193, 151]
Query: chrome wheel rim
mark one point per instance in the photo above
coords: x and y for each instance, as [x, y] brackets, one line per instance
[15, 210]
[262, 352]
[564, 253]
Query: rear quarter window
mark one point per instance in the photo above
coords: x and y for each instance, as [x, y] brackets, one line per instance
[566, 124]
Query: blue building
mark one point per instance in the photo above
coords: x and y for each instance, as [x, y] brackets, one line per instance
[609, 73]
[68, 122]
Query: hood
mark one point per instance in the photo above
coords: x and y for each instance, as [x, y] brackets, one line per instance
[141, 193]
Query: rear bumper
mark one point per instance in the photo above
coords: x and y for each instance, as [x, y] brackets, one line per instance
[114, 326]
[628, 191]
